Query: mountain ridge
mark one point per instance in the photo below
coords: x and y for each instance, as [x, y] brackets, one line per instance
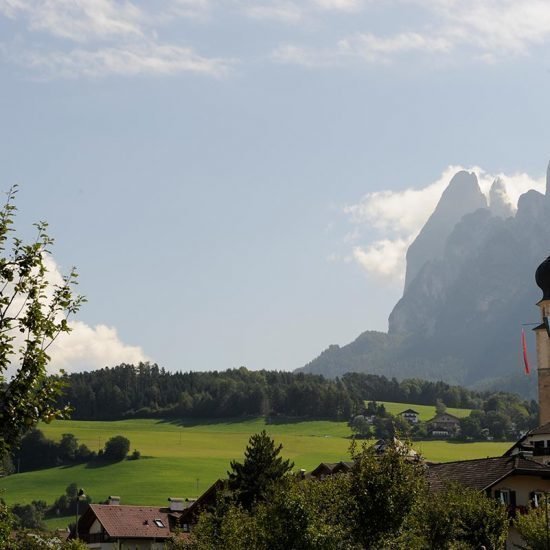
[460, 316]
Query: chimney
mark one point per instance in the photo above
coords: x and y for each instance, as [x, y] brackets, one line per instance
[113, 500]
[176, 504]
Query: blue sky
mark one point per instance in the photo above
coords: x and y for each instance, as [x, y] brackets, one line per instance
[237, 181]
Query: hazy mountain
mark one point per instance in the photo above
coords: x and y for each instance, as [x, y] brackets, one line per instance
[461, 197]
[470, 287]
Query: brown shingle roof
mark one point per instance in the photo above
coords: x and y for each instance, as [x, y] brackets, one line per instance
[132, 521]
[543, 429]
[482, 473]
[539, 430]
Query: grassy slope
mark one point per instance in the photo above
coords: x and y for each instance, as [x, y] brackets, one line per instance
[427, 412]
[177, 455]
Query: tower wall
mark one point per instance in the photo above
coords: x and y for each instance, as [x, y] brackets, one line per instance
[543, 365]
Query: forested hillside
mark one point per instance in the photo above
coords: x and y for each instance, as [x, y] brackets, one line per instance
[145, 390]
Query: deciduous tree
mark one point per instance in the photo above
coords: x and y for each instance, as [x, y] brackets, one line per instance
[33, 313]
[116, 448]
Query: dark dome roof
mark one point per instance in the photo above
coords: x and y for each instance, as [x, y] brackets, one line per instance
[542, 277]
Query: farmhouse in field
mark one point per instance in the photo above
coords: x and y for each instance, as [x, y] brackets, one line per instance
[443, 425]
[410, 415]
[107, 526]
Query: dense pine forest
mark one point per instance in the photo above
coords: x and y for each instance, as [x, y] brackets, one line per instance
[145, 390]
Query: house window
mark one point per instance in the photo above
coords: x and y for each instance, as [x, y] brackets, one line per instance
[158, 523]
[505, 496]
[537, 498]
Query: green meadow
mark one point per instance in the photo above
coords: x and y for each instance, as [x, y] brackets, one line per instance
[426, 412]
[183, 459]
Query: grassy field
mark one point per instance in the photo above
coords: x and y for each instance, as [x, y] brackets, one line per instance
[427, 412]
[183, 459]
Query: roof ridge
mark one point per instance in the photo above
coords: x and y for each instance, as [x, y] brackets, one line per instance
[470, 460]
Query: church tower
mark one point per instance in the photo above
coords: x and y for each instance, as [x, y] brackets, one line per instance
[542, 331]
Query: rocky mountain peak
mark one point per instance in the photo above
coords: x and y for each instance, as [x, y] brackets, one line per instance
[461, 197]
[498, 200]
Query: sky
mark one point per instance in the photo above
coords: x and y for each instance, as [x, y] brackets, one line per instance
[237, 181]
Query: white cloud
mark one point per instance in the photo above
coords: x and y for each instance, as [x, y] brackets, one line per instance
[485, 30]
[339, 5]
[88, 348]
[128, 60]
[385, 259]
[85, 347]
[297, 55]
[390, 220]
[78, 20]
[400, 212]
[515, 184]
[500, 27]
[374, 48]
[287, 12]
[189, 8]
[114, 37]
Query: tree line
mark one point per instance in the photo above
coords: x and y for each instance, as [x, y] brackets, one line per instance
[146, 391]
[36, 452]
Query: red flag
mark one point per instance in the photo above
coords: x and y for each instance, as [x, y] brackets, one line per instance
[525, 356]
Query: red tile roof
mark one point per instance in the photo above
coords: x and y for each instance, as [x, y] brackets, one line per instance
[132, 521]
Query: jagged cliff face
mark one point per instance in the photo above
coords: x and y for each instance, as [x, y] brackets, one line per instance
[470, 286]
[461, 197]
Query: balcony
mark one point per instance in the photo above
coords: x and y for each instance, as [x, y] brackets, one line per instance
[541, 451]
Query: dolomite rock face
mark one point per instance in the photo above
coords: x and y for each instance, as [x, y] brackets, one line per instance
[461, 197]
[470, 286]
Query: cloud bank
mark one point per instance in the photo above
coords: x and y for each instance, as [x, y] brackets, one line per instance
[89, 348]
[85, 347]
[98, 38]
[386, 222]
[485, 30]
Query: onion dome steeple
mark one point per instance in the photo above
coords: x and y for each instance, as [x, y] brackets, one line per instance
[542, 277]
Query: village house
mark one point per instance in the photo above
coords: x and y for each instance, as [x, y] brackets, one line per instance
[517, 481]
[108, 526]
[190, 514]
[410, 415]
[535, 443]
[443, 425]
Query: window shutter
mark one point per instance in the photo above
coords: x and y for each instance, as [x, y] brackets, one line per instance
[497, 494]
[513, 499]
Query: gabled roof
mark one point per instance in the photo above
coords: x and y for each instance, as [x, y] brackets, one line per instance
[543, 429]
[329, 468]
[121, 521]
[409, 411]
[437, 417]
[483, 473]
[208, 498]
